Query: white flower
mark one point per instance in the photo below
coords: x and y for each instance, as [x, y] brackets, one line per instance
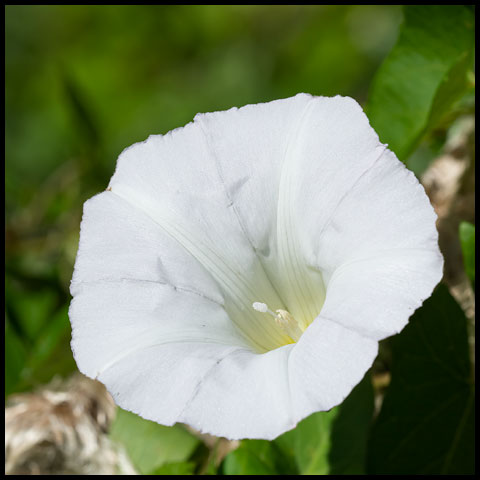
[239, 272]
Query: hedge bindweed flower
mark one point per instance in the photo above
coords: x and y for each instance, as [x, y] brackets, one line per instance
[239, 272]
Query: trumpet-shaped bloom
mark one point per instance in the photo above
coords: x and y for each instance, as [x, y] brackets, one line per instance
[239, 272]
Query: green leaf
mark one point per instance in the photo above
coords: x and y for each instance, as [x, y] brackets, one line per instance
[323, 443]
[258, 457]
[347, 455]
[455, 83]
[15, 356]
[310, 442]
[34, 310]
[149, 444]
[426, 71]
[426, 424]
[177, 468]
[51, 354]
[467, 240]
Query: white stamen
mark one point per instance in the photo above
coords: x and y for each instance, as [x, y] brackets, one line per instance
[263, 307]
[260, 307]
[283, 318]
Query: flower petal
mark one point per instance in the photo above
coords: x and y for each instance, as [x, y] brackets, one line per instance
[225, 391]
[120, 242]
[378, 252]
[274, 203]
[135, 338]
[376, 296]
[249, 145]
[192, 201]
[386, 208]
[326, 364]
[167, 353]
[111, 320]
[125, 288]
[331, 146]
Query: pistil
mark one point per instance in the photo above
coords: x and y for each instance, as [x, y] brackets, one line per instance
[283, 319]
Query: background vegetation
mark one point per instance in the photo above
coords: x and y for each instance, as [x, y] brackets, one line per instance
[84, 82]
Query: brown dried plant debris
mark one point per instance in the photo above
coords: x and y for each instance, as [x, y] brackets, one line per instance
[450, 185]
[61, 429]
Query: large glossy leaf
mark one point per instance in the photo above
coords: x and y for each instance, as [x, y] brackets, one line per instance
[467, 240]
[149, 444]
[331, 442]
[426, 424]
[423, 75]
[347, 455]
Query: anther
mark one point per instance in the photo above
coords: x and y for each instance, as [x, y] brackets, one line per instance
[283, 318]
[263, 307]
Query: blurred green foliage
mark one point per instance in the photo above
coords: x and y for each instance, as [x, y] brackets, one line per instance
[84, 82]
[467, 240]
[151, 446]
[425, 73]
[332, 442]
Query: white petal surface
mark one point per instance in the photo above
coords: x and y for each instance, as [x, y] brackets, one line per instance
[384, 209]
[301, 167]
[376, 296]
[119, 241]
[326, 364]
[378, 250]
[222, 390]
[112, 320]
[294, 204]
[190, 194]
[228, 391]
